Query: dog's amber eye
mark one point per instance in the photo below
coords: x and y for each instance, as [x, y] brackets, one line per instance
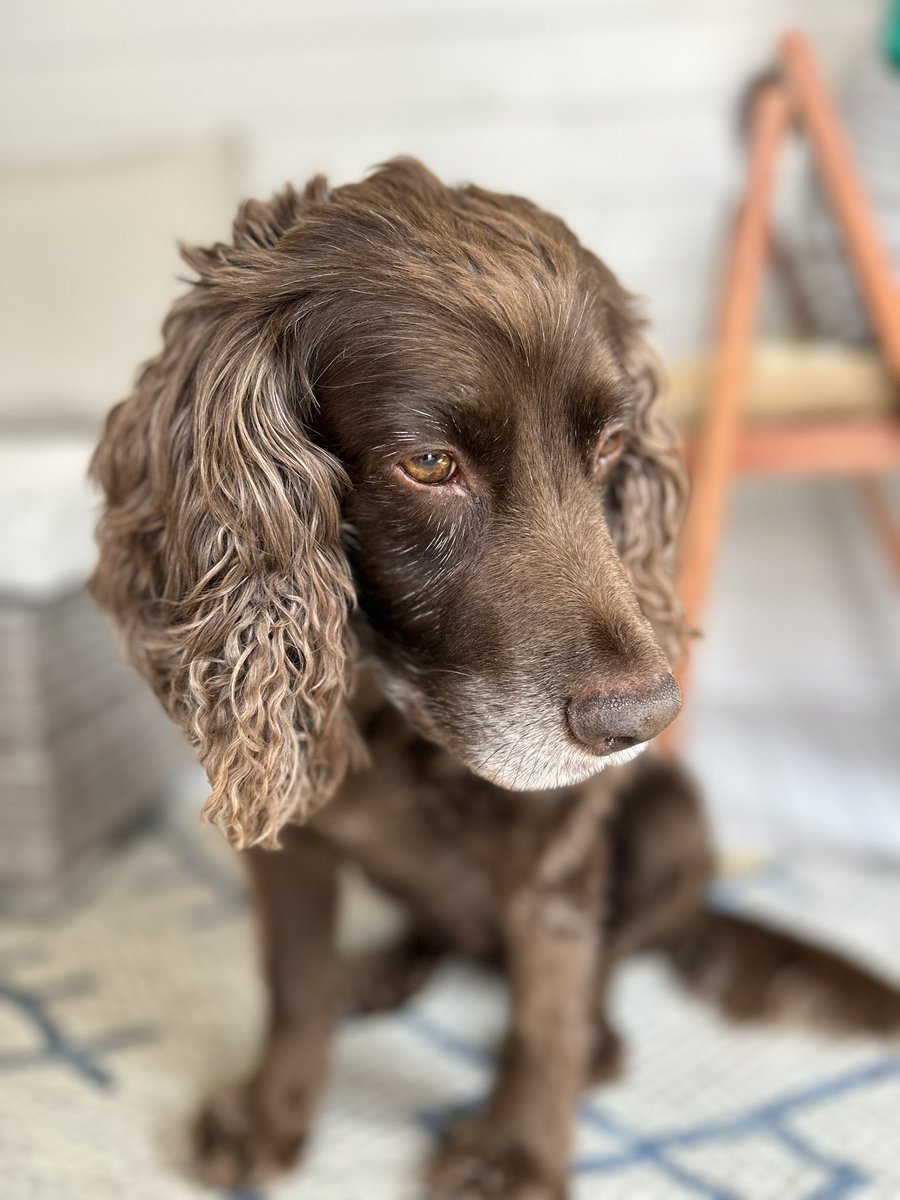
[609, 448]
[434, 466]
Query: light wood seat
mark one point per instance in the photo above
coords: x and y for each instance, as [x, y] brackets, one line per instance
[791, 380]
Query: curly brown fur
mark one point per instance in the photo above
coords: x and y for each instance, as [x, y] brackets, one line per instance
[220, 545]
[453, 665]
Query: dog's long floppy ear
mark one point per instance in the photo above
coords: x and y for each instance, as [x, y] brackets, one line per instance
[648, 496]
[220, 548]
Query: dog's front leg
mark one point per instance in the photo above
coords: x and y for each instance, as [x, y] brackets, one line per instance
[519, 1148]
[255, 1131]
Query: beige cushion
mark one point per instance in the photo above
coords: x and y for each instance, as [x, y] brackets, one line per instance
[90, 265]
[793, 380]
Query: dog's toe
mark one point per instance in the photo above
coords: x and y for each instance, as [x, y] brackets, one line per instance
[238, 1143]
[478, 1163]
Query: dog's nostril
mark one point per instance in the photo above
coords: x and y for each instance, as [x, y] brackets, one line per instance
[612, 744]
[606, 721]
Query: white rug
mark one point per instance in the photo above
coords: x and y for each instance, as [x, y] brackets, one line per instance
[118, 1015]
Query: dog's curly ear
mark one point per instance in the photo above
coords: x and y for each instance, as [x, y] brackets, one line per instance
[220, 548]
[648, 496]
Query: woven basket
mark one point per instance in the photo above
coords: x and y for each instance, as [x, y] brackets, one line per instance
[84, 747]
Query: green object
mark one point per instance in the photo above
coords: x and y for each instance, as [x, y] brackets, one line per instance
[892, 33]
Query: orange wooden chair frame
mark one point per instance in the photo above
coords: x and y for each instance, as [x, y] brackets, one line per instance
[862, 446]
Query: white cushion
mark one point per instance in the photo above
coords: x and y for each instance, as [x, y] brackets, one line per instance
[46, 514]
[90, 265]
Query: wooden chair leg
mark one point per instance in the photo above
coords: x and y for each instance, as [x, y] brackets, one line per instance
[885, 524]
[716, 441]
[847, 194]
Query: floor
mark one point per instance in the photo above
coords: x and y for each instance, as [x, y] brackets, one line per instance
[793, 726]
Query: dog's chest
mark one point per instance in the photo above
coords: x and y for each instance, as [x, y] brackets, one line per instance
[414, 840]
[451, 846]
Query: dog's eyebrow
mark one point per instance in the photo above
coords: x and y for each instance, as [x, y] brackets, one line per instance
[612, 401]
[472, 422]
[597, 397]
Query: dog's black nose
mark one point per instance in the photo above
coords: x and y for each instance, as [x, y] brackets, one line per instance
[607, 721]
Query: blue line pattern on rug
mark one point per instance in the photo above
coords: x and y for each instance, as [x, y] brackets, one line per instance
[841, 1177]
[85, 1057]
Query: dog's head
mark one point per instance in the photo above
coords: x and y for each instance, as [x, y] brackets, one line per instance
[428, 400]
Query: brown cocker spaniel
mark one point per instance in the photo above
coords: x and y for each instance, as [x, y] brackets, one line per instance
[390, 528]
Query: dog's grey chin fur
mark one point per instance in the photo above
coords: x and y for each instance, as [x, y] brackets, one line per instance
[550, 772]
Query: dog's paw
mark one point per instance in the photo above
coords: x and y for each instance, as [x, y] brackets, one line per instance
[238, 1141]
[478, 1163]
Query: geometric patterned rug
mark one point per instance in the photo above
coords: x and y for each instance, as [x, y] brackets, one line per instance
[118, 1014]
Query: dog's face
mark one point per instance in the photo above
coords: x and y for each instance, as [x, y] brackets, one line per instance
[482, 422]
[434, 399]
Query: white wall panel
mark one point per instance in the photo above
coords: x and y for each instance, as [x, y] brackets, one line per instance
[617, 113]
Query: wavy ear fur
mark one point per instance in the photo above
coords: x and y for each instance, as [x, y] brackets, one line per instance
[220, 549]
[648, 497]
